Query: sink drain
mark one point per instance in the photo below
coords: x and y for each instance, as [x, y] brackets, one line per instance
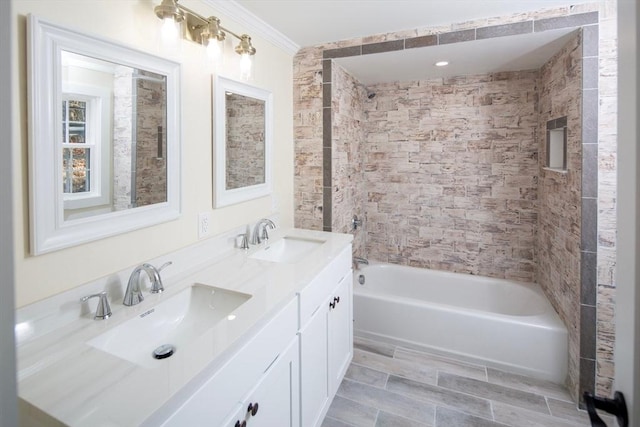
[164, 351]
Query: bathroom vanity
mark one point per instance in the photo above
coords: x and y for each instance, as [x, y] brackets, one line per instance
[274, 356]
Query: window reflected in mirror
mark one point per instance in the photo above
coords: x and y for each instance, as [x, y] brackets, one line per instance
[113, 136]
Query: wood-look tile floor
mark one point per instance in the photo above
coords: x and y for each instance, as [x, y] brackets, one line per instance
[389, 385]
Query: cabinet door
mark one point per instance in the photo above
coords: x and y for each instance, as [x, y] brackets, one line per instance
[340, 332]
[314, 351]
[275, 400]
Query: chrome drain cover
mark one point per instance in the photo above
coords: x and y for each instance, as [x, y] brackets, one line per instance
[164, 351]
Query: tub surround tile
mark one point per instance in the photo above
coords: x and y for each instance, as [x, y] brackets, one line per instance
[421, 41]
[504, 30]
[326, 71]
[342, 52]
[588, 331]
[457, 36]
[590, 170]
[387, 401]
[575, 20]
[353, 413]
[587, 376]
[589, 224]
[590, 36]
[590, 73]
[388, 46]
[528, 384]
[446, 417]
[521, 399]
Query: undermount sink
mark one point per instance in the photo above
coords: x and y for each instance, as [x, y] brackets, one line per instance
[287, 250]
[174, 322]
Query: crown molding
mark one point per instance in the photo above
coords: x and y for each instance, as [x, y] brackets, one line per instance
[254, 24]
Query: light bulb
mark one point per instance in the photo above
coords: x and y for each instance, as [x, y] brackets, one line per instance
[170, 32]
[245, 66]
[213, 49]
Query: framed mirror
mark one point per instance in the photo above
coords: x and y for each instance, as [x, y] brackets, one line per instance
[104, 137]
[243, 140]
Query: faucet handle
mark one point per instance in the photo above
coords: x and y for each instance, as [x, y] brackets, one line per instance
[166, 264]
[103, 311]
[156, 282]
[244, 243]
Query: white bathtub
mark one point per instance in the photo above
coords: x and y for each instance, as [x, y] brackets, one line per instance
[503, 324]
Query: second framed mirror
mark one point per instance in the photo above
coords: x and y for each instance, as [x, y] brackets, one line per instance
[242, 142]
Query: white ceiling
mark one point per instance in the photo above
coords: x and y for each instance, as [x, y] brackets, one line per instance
[311, 22]
[514, 53]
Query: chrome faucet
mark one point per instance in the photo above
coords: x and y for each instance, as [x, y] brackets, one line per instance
[258, 237]
[358, 260]
[133, 294]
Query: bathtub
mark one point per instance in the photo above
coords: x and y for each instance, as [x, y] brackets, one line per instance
[499, 323]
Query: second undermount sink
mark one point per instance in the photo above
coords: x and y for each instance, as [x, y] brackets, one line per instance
[287, 250]
[175, 321]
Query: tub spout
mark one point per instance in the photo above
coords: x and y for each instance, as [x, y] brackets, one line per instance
[358, 260]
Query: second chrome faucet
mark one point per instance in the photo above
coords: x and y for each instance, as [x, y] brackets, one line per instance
[133, 294]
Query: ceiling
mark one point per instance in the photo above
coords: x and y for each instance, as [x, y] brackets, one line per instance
[514, 53]
[313, 22]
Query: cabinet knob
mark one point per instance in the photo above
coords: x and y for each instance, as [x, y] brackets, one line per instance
[253, 409]
[241, 424]
[336, 299]
[332, 304]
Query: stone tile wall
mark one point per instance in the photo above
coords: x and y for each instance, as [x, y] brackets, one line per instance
[560, 195]
[606, 163]
[452, 173]
[122, 132]
[151, 124]
[245, 141]
[308, 110]
[348, 138]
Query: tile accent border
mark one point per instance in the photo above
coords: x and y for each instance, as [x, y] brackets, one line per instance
[524, 27]
[588, 23]
[589, 212]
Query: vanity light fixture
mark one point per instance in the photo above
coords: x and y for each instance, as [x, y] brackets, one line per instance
[206, 31]
[441, 63]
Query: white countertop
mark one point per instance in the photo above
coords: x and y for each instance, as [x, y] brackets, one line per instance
[79, 385]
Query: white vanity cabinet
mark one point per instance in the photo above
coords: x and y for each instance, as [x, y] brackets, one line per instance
[326, 337]
[210, 403]
[340, 332]
[275, 401]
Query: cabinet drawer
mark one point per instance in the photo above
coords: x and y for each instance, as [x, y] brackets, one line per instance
[321, 287]
[214, 400]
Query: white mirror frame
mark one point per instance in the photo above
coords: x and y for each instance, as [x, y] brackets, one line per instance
[48, 229]
[223, 196]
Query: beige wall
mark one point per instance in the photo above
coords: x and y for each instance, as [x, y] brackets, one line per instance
[134, 24]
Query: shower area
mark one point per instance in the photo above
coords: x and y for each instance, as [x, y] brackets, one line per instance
[453, 173]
